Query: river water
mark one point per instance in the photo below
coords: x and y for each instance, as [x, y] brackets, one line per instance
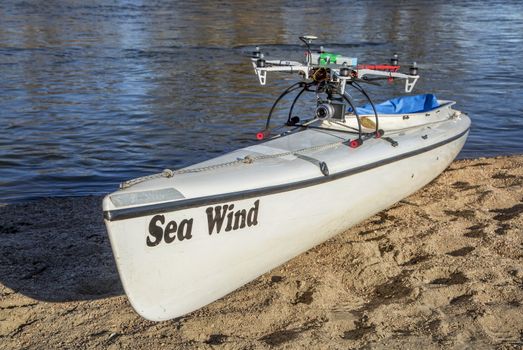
[96, 92]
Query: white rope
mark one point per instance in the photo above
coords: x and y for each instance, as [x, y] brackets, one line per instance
[249, 159]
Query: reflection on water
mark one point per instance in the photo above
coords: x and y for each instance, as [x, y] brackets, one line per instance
[94, 92]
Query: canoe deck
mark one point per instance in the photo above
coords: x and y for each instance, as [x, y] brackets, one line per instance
[293, 158]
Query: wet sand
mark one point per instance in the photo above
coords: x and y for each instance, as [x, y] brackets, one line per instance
[441, 269]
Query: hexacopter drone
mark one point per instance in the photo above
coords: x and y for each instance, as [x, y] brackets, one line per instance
[328, 75]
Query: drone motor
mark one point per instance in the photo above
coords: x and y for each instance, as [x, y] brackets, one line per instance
[413, 70]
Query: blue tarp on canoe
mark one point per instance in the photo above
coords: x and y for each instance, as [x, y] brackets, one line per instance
[402, 105]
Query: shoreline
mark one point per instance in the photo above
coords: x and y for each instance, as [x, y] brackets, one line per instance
[442, 268]
[116, 185]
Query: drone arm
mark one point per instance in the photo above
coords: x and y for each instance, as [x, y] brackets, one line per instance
[279, 66]
[283, 63]
[410, 80]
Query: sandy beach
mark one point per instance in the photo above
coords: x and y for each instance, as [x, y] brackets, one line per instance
[441, 269]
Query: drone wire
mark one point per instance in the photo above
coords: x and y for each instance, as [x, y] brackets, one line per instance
[293, 103]
[347, 98]
[360, 89]
[345, 126]
[328, 129]
[290, 89]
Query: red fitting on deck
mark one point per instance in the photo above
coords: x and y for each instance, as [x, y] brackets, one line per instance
[355, 143]
[263, 134]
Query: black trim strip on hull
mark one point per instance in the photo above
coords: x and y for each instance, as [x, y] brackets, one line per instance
[128, 213]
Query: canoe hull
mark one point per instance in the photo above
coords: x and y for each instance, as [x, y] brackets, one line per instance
[174, 262]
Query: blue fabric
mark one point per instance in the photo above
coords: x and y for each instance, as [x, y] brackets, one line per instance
[402, 105]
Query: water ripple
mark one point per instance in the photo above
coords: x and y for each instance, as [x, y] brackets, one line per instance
[96, 93]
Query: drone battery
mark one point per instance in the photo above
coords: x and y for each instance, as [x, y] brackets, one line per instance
[326, 58]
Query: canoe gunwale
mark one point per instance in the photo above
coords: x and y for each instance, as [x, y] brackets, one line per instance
[151, 209]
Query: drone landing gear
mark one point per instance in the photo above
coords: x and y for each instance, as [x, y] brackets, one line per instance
[332, 108]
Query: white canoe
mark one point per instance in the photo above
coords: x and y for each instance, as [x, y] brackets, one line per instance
[183, 241]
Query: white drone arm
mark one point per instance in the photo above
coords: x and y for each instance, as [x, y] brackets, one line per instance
[410, 80]
[279, 66]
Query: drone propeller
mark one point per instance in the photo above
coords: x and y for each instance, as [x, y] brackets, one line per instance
[308, 38]
[255, 54]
